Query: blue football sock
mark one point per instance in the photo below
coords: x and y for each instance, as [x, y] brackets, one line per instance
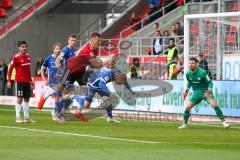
[59, 105]
[79, 100]
[109, 112]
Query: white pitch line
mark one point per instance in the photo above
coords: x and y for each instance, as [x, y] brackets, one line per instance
[205, 124]
[80, 135]
[112, 138]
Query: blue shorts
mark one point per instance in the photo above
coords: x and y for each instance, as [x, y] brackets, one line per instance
[91, 92]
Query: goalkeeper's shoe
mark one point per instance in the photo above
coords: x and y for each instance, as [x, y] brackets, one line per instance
[112, 120]
[81, 116]
[19, 120]
[226, 125]
[41, 102]
[184, 126]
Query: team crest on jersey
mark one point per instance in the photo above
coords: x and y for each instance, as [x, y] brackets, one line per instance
[106, 78]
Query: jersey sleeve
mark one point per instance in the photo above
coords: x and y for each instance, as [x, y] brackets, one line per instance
[189, 83]
[63, 53]
[103, 86]
[208, 80]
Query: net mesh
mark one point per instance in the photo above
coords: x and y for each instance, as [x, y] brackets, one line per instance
[213, 38]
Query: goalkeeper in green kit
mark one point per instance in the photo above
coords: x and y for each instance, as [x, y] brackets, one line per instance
[202, 90]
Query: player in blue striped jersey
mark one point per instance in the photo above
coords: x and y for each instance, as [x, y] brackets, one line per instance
[67, 52]
[98, 84]
[53, 80]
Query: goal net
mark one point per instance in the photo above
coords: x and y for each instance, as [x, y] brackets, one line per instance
[215, 36]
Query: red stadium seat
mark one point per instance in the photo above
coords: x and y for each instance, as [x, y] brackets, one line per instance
[232, 29]
[195, 28]
[231, 38]
[6, 3]
[235, 6]
[2, 13]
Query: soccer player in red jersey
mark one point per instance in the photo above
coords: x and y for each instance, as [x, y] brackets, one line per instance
[76, 65]
[21, 62]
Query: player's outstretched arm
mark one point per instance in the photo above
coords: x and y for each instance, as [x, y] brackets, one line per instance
[42, 71]
[189, 85]
[208, 80]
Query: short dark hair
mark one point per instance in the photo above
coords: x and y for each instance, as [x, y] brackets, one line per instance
[94, 35]
[157, 24]
[171, 39]
[135, 59]
[19, 43]
[201, 54]
[178, 23]
[72, 36]
[158, 31]
[193, 59]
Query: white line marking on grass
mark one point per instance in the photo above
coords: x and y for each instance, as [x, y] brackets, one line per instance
[79, 135]
[112, 138]
[205, 124]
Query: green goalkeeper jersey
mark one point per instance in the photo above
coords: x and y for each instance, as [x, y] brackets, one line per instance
[198, 80]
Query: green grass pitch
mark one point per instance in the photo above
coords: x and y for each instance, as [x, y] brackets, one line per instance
[98, 140]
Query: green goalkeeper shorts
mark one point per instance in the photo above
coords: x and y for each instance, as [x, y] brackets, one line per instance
[197, 97]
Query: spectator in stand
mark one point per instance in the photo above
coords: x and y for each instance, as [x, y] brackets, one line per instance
[153, 9]
[173, 31]
[3, 70]
[172, 51]
[204, 64]
[146, 20]
[157, 43]
[10, 91]
[179, 29]
[166, 39]
[134, 21]
[135, 69]
[169, 6]
[38, 66]
[180, 67]
[156, 26]
[173, 70]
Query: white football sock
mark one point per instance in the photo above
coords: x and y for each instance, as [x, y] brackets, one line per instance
[18, 111]
[26, 109]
